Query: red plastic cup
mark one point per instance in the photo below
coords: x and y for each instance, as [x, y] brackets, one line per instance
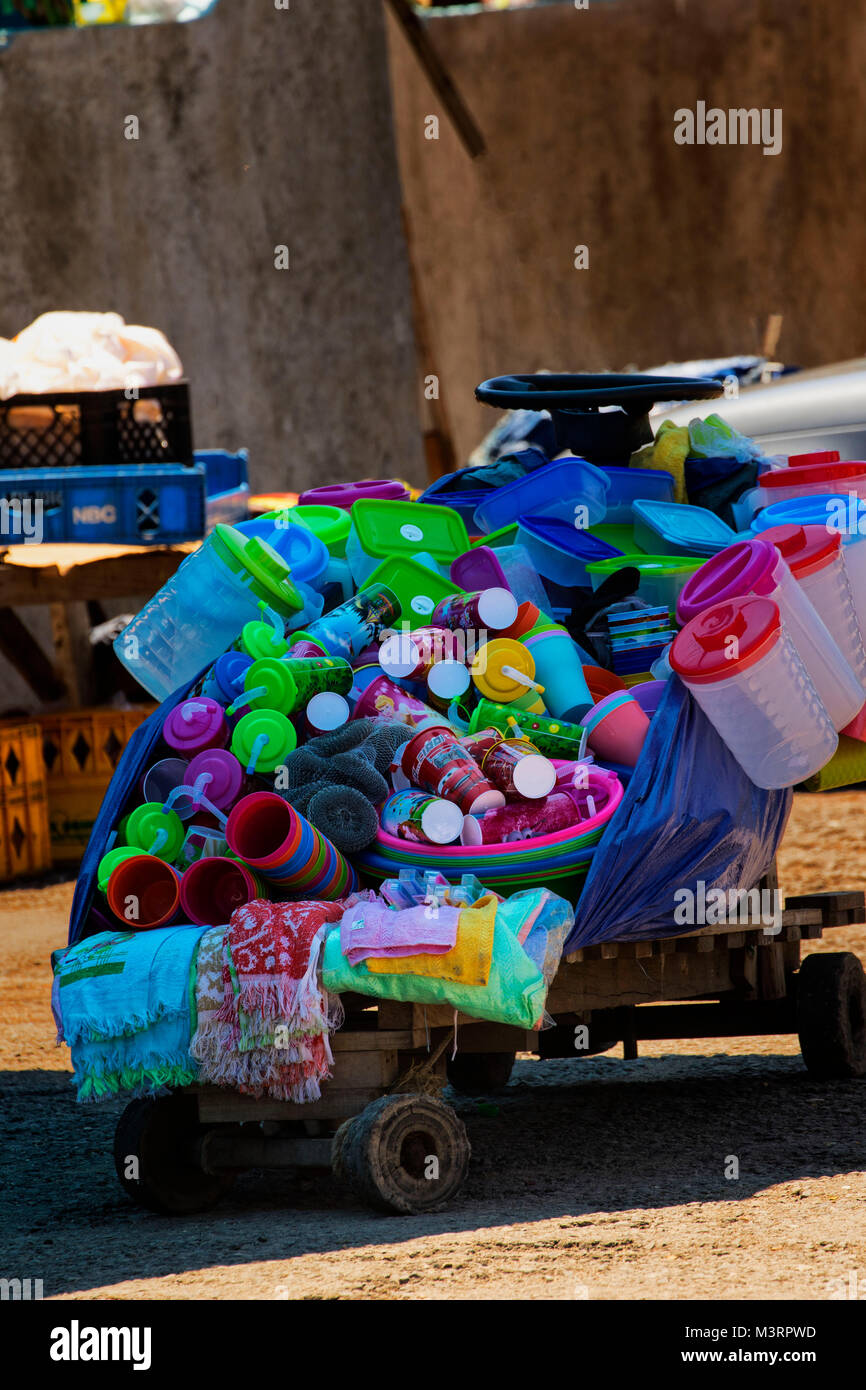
[212, 888]
[143, 892]
[435, 761]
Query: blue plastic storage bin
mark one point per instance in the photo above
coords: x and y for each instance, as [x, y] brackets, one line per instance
[560, 551]
[669, 528]
[133, 504]
[627, 485]
[555, 490]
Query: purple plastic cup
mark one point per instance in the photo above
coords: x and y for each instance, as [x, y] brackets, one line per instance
[479, 569]
[195, 724]
[648, 696]
[226, 774]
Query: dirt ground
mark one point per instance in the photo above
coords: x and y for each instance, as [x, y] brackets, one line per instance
[593, 1178]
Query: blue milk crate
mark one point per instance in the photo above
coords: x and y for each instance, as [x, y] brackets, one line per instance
[133, 504]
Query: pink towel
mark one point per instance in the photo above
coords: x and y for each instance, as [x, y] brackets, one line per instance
[372, 929]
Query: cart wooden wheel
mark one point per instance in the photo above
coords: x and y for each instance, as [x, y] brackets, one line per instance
[403, 1153]
[478, 1073]
[154, 1155]
[831, 1015]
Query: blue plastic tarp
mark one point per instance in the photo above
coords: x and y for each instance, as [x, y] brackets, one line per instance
[690, 819]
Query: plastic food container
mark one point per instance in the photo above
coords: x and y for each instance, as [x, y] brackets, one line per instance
[331, 524]
[627, 485]
[666, 528]
[199, 612]
[662, 577]
[417, 587]
[462, 500]
[555, 490]
[779, 484]
[559, 550]
[345, 495]
[817, 562]
[757, 567]
[403, 529]
[742, 668]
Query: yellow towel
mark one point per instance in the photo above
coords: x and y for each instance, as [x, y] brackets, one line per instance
[670, 451]
[468, 963]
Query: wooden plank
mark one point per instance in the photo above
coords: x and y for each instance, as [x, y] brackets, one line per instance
[606, 984]
[72, 573]
[371, 1040]
[771, 973]
[73, 653]
[223, 1106]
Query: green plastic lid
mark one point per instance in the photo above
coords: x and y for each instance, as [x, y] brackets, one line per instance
[384, 528]
[109, 862]
[268, 571]
[658, 564]
[260, 640]
[416, 587]
[282, 739]
[330, 524]
[506, 535]
[144, 824]
[282, 691]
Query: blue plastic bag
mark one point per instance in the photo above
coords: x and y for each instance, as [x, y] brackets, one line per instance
[689, 815]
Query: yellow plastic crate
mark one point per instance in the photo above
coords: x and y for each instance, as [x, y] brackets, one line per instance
[24, 834]
[80, 752]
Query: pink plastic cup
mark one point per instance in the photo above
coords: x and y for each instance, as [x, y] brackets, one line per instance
[616, 729]
[212, 888]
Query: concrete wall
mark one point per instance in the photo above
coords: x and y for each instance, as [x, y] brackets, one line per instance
[690, 248]
[258, 127]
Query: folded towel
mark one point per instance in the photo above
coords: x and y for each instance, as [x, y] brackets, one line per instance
[374, 929]
[125, 1002]
[469, 961]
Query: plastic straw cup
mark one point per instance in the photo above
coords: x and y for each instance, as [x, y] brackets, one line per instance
[325, 712]
[212, 888]
[303, 645]
[225, 774]
[155, 831]
[755, 691]
[427, 820]
[271, 837]
[263, 739]
[286, 685]
[358, 622]
[196, 723]
[504, 671]
[436, 762]
[162, 778]
[109, 862]
[759, 567]
[555, 738]
[260, 639]
[558, 669]
[143, 892]
[382, 699]
[616, 728]
[225, 679]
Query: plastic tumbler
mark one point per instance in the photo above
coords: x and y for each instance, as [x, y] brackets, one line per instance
[109, 862]
[225, 776]
[424, 819]
[325, 712]
[743, 670]
[616, 728]
[225, 679]
[485, 610]
[354, 625]
[262, 740]
[195, 724]
[555, 738]
[412, 655]
[759, 567]
[211, 889]
[558, 669]
[159, 833]
[280, 844]
[162, 778]
[436, 762]
[143, 892]
[286, 685]
[513, 765]
[817, 561]
[504, 671]
[383, 699]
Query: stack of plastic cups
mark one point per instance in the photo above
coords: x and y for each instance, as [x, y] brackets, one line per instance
[211, 888]
[558, 668]
[285, 849]
[143, 892]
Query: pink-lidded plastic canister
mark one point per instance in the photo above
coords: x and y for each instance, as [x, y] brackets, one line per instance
[743, 670]
[816, 559]
[758, 567]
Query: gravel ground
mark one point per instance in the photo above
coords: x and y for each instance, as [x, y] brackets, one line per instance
[593, 1178]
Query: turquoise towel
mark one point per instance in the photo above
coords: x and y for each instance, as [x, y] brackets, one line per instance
[125, 1003]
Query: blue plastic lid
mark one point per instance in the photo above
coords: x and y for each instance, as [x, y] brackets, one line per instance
[821, 509]
[230, 669]
[305, 553]
[568, 538]
[680, 524]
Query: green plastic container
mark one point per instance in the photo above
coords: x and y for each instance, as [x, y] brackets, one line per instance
[330, 524]
[402, 529]
[619, 535]
[418, 588]
[506, 535]
[662, 577]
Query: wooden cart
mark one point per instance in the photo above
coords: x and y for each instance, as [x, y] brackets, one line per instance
[381, 1124]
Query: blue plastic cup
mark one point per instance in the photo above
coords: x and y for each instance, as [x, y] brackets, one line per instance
[558, 669]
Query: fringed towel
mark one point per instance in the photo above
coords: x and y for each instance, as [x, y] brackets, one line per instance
[270, 1033]
[124, 1002]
